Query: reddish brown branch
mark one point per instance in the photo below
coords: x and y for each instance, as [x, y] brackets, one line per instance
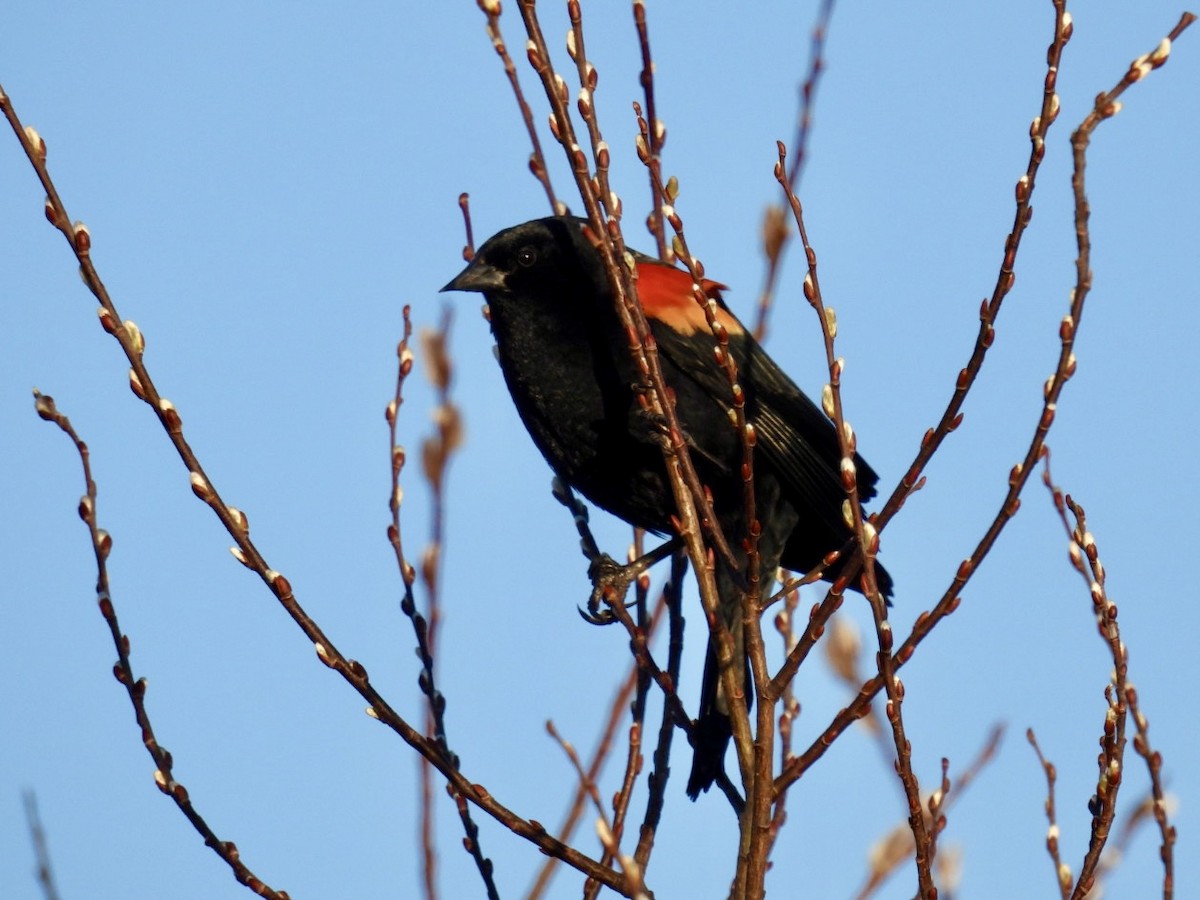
[604, 744]
[754, 749]
[657, 779]
[610, 838]
[657, 131]
[537, 160]
[868, 543]
[789, 706]
[1113, 741]
[990, 309]
[1021, 472]
[1062, 872]
[695, 519]
[1103, 805]
[164, 775]
[246, 552]
[464, 204]
[436, 452]
[892, 850]
[1157, 802]
[775, 230]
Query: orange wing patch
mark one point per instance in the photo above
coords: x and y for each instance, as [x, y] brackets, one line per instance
[666, 295]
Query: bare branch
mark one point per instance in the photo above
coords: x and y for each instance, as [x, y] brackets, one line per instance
[1062, 872]
[41, 851]
[775, 230]
[537, 160]
[867, 539]
[657, 131]
[164, 775]
[246, 552]
[989, 311]
[1158, 799]
[608, 836]
[1020, 473]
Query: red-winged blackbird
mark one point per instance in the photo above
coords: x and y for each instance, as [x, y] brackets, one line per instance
[566, 360]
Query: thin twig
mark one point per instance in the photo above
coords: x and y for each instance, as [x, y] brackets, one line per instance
[599, 757]
[1086, 560]
[435, 455]
[658, 132]
[41, 851]
[659, 775]
[754, 748]
[864, 533]
[1158, 799]
[818, 617]
[990, 309]
[164, 775]
[789, 710]
[1113, 743]
[408, 602]
[1062, 872]
[129, 337]
[1020, 473]
[937, 805]
[888, 853]
[537, 160]
[695, 520]
[775, 230]
[609, 837]
[634, 759]
[464, 204]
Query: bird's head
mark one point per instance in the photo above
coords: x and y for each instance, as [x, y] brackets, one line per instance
[544, 257]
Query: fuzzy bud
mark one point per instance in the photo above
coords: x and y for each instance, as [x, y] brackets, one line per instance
[44, 406]
[671, 189]
[240, 522]
[831, 321]
[135, 385]
[201, 487]
[1161, 52]
[82, 238]
[323, 654]
[849, 473]
[827, 400]
[169, 414]
[135, 336]
[36, 141]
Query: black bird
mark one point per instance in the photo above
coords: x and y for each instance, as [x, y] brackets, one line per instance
[566, 361]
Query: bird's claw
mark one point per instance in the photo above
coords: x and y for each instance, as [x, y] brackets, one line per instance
[610, 580]
[593, 615]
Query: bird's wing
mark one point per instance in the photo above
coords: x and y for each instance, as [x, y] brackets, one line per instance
[794, 436]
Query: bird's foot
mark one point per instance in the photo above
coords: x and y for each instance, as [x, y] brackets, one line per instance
[610, 584]
[611, 581]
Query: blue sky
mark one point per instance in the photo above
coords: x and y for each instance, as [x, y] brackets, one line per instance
[267, 186]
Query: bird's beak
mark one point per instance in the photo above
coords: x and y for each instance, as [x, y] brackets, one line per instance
[477, 276]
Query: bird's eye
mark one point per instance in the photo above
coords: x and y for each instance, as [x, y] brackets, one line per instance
[526, 256]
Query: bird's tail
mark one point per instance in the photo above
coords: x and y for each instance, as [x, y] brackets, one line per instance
[713, 729]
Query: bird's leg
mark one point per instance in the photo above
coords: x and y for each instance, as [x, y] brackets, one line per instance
[611, 580]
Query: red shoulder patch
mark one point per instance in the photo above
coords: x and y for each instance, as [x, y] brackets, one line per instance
[666, 295]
